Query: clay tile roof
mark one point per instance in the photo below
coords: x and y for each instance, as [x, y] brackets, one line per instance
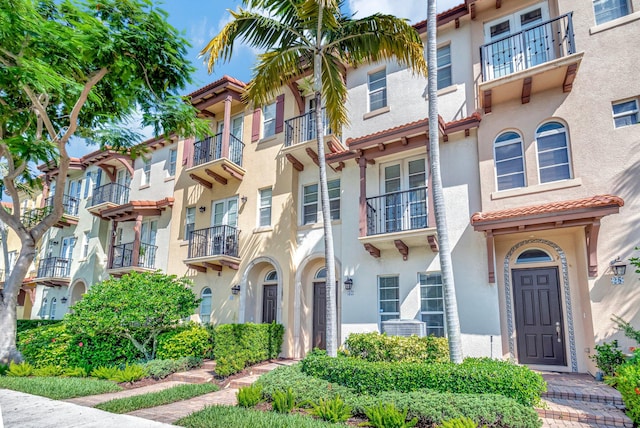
[218, 82]
[166, 202]
[416, 123]
[444, 17]
[548, 208]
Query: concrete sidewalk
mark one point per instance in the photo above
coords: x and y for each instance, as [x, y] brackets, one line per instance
[20, 410]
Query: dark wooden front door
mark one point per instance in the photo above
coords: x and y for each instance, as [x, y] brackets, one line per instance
[269, 303]
[538, 314]
[319, 315]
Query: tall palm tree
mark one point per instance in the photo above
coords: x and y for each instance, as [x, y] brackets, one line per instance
[296, 35]
[451, 305]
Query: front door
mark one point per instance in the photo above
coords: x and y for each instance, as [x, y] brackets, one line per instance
[538, 315]
[319, 315]
[269, 301]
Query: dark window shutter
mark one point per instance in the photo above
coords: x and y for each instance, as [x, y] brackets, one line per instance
[279, 113]
[187, 153]
[255, 125]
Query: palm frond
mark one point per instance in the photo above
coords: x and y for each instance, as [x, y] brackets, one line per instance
[334, 91]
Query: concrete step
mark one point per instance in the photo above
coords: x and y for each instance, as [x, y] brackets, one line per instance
[586, 412]
[194, 376]
[208, 365]
[244, 381]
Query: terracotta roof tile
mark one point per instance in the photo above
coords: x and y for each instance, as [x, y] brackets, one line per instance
[218, 82]
[442, 16]
[548, 208]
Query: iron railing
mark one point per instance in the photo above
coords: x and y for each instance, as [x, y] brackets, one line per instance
[210, 149]
[111, 192]
[33, 216]
[54, 267]
[123, 256]
[214, 241]
[397, 211]
[303, 128]
[69, 203]
[535, 45]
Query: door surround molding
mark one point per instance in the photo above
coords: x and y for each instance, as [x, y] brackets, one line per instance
[564, 286]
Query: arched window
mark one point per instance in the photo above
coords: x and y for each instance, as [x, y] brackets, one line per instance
[553, 152]
[205, 306]
[534, 255]
[43, 308]
[321, 274]
[271, 276]
[509, 159]
[52, 309]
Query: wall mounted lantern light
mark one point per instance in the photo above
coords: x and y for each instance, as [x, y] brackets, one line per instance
[348, 284]
[64, 300]
[235, 290]
[202, 209]
[618, 267]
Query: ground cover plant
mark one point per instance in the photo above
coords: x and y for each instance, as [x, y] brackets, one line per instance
[58, 388]
[159, 369]
[170, 395]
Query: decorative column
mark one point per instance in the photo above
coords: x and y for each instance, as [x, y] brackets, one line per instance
[112, 244]
[362, 162]
[226, 130]
[135, 257]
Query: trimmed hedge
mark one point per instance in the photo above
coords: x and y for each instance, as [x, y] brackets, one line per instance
[239, 345]
[192, 340]
[429, 407]
[380, 347]
[474, 375]
[23, 325]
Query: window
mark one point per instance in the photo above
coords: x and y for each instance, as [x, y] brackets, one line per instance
[625, 113]
[173, 159]
[444, 67]
[311, 207]
[269, 120]
[88, 184]
[85, 244]
[533, 256]
[553, 152]
[189, 222]
[271, 276]
[509, 161]
[432, 303]
[225, 212]
[389, 296]
[74, 188]
[13, 258]
[404, 203]
[608, 10]
[265, 207]
[205, 306]
[146, 171]
[52, 309]
[377, 90]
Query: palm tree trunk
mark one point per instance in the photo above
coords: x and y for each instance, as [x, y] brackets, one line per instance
[451, 305]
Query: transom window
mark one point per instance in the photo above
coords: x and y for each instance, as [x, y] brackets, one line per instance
[553, 152]
[321, 274]
[377, 89]
[271, 276]
[444, 67]
[608, 10]
[389, 297]
[205, 306]
[534, 255]
[625, 113]
[432, 303]
[509, 161]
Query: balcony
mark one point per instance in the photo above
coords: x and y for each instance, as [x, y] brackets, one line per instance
[70, 216]
[213, 248]
[211, 163]
[537, 59]
[398, 220]
[123, 260]
[107, 196]
[53, 271]
[300, 146]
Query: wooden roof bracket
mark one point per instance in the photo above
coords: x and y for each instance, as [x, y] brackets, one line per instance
[591, 238]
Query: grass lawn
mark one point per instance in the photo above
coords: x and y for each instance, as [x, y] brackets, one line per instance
[171, 395]
[58, 388]
[237, 417]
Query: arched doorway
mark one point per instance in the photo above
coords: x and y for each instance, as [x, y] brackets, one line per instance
[78, 290]
[270, 297]
[261, 292]
[319, 335]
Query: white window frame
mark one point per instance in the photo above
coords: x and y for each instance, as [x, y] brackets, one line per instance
[425, 286]
[88, 185]
[269, 121]
[317, 203]
[52, 309]
[633, 112]
[374, 92]
[226, 218]
[265, 206]
[146, 171]
[615, 5]
[562, 130]
[443, 66]
[497, 144]
[189, 226]
[311, 203]
[381, 314]
[201, 313]
[172, 161]
[85, 244]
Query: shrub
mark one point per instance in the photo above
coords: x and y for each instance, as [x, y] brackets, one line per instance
[102, 350]
[226, 416]
[284, 401]
[388, 416]
[380, 347]
[459, 423]
[608, 357]
[75, 372]
[48, 371]
[474, 375]
[23, 369]
[104, 372]
[334, 410]
[130, 373]
[239, 345]
[192, 340]
[628, 383]
[159, 369]
[45, 345]
[3, 369]
[249, 396]
[24, 325]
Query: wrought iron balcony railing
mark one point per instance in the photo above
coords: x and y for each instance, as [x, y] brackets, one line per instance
[535, 45]
[210, 149]
[303, 128]
[32, 217]
[214, 241]
[123, 256]
[69, 203]
[111, 192]
[397, 211]
[54, 267]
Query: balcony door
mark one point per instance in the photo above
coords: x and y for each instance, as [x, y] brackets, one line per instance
[508, 52]
[224, 220]
[66, 252]
[148, 234]
[405, 196]
[236, 126]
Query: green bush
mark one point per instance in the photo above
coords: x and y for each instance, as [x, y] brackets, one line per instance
[628, 383]
[104, 372]
[284, 401]
[384, 415]
[24, 325]
[47, 345]
[3, 369]
[474, 375]
[130, 373]
[380, 347]
[608, 357]
[240, 345]
[249, 396]
[74, 372]
[334, 410]
[23, 369]
[459, 423]
[48, 371]
[102, 350]
[192, 340]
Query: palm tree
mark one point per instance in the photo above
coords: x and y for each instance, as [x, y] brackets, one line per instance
[451, 305]
[296, 35]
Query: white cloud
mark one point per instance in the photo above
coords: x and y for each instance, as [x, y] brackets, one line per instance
[415, 10]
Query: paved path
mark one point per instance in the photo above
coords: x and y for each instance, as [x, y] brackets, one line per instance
[20, 410]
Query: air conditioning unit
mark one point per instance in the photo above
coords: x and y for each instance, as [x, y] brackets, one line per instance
[404, 328]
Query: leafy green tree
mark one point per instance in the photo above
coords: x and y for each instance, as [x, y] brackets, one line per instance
[138, 307]
[70, 68]
[298, 35]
